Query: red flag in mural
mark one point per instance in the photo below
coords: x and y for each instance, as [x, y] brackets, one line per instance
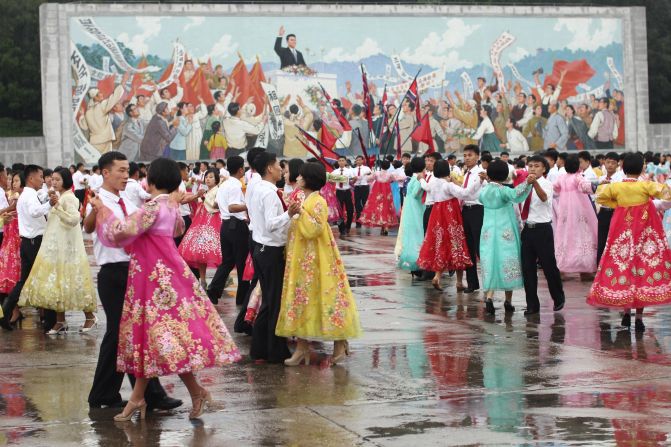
[172, 88]
[106, 86]
[240, 76]
[196, 87]
[256, 77]
[422, 133]
[577, 72]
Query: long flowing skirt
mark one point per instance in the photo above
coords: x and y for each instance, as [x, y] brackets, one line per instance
[410, 237]
[635, 269]
[444, 246]
[168, 325]
[201, 244]
[328, 193]
[396, 194]
[10, 257]
[379, 210]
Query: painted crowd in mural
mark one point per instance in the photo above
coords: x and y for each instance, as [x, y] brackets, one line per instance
[204, 88]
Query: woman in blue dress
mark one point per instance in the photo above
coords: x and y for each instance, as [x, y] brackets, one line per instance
[486, 132]
[411, 230]
[500, 246]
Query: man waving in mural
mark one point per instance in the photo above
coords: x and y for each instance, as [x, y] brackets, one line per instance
[97, 119]
[289, 55]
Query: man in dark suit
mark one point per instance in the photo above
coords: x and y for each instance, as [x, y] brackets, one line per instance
[289, 55]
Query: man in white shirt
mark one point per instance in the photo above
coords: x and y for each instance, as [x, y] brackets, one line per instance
[95, 180]
[361, 187]
[79, 182]
[112, 281]
[515, 140]
[32, 223]
[270, 221]
[344, 193]
[234, 233]
[473, 214]
[505, 156]
[538, 239]
[454, 168]
[134, 193]
[223, 172]
[551, 156]
[236, 130]
[605, 214]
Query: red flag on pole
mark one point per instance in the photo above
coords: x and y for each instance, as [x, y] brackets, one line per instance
[240, 75]
[197, 87]
[106, 86]
[256, 77]
[413, 97]
[172, 88]
[367, 101]
[327, 137]
[370, 161]
[341, 119]
[422, 134]
[577, 72]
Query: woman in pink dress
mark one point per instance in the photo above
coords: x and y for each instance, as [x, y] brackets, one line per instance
[168, 324]
[328, 192]
[576, 228]
[201, 247]
[379, 210]
[10, 258]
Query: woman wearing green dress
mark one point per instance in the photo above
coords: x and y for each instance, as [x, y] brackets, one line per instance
[486, 132]
[500, 249]
[411, 230]
[212, 116]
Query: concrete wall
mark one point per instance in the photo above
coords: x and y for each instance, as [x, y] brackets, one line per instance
[56, 146]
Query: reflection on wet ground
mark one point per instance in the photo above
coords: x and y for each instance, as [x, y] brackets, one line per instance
[431, 369]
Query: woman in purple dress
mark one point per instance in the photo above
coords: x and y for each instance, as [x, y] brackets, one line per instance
[168, 325]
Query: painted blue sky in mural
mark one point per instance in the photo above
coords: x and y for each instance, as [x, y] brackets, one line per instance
[456, 43]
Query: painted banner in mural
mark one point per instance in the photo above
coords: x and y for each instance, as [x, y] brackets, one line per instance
[263, 83]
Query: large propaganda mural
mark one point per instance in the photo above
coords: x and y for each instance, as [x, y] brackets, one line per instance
[152, 86]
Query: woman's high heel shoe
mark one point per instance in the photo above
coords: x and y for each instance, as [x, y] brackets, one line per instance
[199, 404]
[340, 349]
[85, 329]
[130, 410]
[61, 330]
[435, 282]
[299, 357]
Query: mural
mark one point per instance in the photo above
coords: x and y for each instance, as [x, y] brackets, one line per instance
[208, 87]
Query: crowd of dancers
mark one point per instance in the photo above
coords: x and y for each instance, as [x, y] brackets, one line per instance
[157, 229]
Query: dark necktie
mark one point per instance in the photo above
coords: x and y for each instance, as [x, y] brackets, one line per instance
[281, 196]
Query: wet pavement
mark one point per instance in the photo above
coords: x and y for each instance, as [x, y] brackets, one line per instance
[431, 370]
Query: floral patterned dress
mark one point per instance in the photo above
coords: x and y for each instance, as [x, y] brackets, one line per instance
[500, 243]
[10, 258]
[379, 210]
[635, 269]
[317, 302]
[168, 324]
[201, 244]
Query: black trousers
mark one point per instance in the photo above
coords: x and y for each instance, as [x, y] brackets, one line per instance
[234, 239]
[360, 198]
[426, 217]
[538, 244]
[28, 251]
[344, 196]
[112, 280]
[187, 224]
[472, 216]
[603, 218]
[241, 326]
[80, 193]
[265, 344]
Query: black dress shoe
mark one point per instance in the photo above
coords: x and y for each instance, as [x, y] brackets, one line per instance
[489, 307]
[639, 326]
[358, 225]
[167, 403]
[470, 290]
[528, 312]
[117, 404]
[508, 307]
[559, 306]
[212, 296]
[4, 323]
[626, 320]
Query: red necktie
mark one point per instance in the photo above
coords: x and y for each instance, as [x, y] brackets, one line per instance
[428, 177]
[526, 206]
[281, 196]
[123, 207]
[359, 174]
[468, 174]
[341, 183]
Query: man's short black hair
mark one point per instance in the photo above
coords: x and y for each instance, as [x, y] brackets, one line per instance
[472, 148]
[79, 165]
[633, 164]
[233, 108]
[585, 155]
[385, 164]
[164, 174]
[182, 166]
[218, 94]
[290, 35]
[551, 153]
[107, 159]
[66, 176]
[133, 168]
[48, 172]
[129, 108]
[505, 153]
[417, 164]
[538, 159]
[406, 155]
[356, 109]
[389, 157]
[487, 158]
[293, 108]
[30, 170]
[314, 175]
[435, 155]
[497, 170]
[342, 157]
[441, 169]
[262, 161]
[252, 154]
[235, 162]
[220, 160]
[572, 164]
[613, 156]
[451, 157]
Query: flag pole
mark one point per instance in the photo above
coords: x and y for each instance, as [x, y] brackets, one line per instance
[398, 111]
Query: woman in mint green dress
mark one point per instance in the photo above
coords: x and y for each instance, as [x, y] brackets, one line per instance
[411, 230]
[500, 246]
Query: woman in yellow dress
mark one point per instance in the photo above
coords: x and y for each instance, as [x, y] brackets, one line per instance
[61, 276]
[317, 303]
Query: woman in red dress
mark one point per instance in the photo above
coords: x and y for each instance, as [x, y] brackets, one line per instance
[379, 210]
[10, 258]
[635, 269]
[444, 247]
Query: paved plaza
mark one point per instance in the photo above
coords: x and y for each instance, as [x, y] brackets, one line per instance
[431, 370]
